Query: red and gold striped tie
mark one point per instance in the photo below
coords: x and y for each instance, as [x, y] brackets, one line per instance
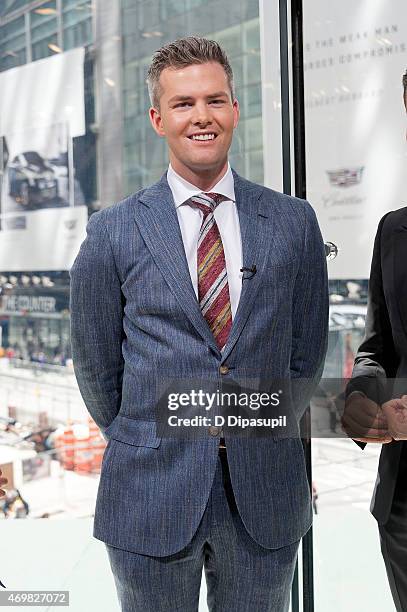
[213, 288]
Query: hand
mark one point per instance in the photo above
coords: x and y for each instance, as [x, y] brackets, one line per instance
[364, 421]
[3, 481]
[396, 414]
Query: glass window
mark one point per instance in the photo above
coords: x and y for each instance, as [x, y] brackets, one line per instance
[170, 8]
[231, 40]
[8, 6]
[148, 15]
[252, 33]
[253, 133]
[77, 5]
[255, 165]
[12, 44]
[250, 99]
[44, 38]
[44, 14]
[253, 69]
[75, 13]
[78, 35]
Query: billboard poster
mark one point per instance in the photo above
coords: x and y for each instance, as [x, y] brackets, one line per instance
[354, 59]
[42, 207]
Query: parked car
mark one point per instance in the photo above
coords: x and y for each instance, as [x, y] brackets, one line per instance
[32, 180]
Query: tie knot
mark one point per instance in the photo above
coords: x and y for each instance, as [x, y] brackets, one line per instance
[207, 202]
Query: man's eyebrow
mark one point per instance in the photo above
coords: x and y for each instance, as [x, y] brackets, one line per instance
[218, 94]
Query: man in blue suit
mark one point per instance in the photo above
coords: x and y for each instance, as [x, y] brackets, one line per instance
[201, 276]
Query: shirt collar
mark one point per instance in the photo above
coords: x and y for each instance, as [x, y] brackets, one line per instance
[182, 190]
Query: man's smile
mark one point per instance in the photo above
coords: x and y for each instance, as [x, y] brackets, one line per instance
[205, 138]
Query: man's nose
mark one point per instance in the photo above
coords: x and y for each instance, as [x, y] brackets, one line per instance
[201, 114]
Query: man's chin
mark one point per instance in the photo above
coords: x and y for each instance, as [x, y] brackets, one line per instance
[204, 162]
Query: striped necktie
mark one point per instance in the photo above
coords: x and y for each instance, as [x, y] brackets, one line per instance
[213, 288]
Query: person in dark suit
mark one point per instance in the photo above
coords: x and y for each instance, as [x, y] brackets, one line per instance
[376, 409]
[203, 275]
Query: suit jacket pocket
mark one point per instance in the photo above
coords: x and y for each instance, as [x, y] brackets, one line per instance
[133, 431]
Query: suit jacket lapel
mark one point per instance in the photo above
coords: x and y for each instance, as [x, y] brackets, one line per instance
[255, 229]
[397, 269]
[157, 221]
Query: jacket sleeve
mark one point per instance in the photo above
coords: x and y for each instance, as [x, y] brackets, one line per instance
[376, 361]
[96, 304]
[309, 316]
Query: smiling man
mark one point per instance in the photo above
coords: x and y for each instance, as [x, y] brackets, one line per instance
[198, 127]
[202, 276]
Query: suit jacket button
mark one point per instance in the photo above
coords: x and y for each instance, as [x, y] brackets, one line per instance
[224, 369]
[214, 431]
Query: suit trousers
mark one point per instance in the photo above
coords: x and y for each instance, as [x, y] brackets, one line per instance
[393, 538]
[241, 575]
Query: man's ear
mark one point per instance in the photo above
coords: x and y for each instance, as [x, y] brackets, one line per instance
[156, 121]
[236, 111]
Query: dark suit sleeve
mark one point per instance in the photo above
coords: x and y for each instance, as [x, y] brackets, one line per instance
[310, 315]
[376, 360]
[96, 305]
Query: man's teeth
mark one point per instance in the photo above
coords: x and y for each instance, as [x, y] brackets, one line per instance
[204, 137]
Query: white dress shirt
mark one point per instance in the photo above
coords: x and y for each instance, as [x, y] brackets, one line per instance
[227, 219]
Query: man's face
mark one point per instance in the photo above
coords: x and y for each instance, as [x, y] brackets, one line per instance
[196, 100]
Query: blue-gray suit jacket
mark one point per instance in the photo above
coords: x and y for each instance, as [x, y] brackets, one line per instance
[135, 320]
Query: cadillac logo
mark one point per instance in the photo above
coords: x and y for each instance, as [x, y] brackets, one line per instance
[346, 177]
[70, 224]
